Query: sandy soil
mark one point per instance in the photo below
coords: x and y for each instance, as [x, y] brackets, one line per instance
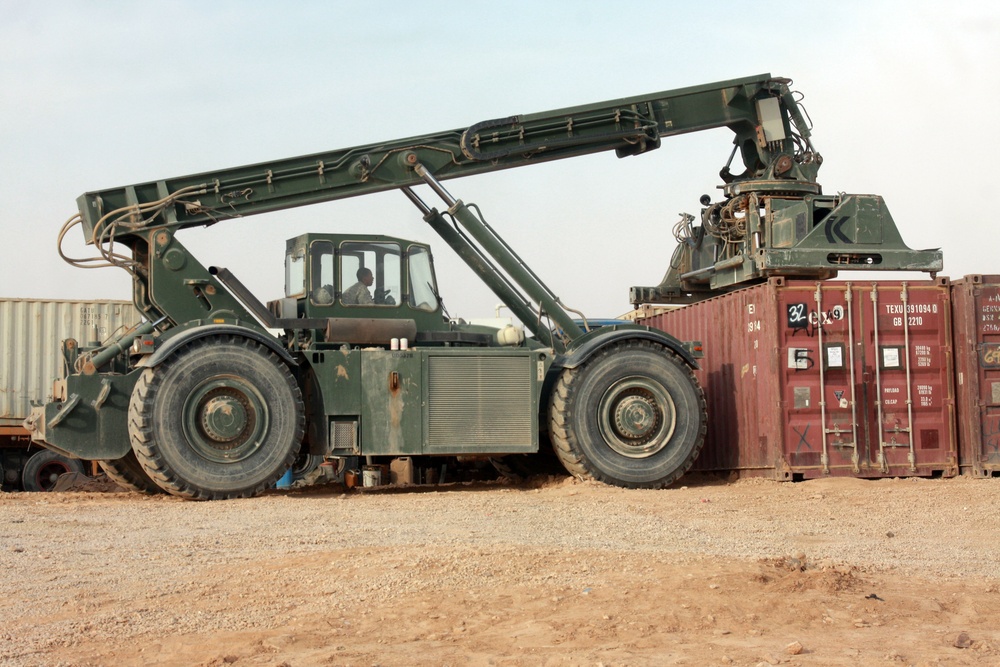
[551, 572]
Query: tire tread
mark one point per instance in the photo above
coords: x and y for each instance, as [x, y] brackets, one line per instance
[141, 429]
[565, 394]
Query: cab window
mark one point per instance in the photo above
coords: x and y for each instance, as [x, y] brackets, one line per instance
[370, 274]
[321, 273]
[295, 273]
[423, 291]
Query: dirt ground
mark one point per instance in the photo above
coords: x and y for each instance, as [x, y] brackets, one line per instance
[550, 572]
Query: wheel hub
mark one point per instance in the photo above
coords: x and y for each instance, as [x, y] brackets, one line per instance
[224, 418]
[635, 417]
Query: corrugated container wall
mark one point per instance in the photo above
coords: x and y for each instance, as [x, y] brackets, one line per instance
[806, 379]
[976, 316]
[31, 333]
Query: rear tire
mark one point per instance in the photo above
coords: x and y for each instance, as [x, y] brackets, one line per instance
[42, 470]
[221, 418]
[633, 415]
[129, 474]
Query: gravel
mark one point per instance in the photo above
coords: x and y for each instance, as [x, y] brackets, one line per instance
[66, 558]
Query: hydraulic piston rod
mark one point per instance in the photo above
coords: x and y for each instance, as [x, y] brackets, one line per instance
[119, 345]
[471, 255]
[505, 257]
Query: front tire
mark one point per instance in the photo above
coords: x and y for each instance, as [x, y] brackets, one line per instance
[633, 416]
[221, 418]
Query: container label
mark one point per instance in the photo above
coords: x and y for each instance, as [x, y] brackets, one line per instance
[835, 314]
[912, 315]
[989, 314]
[989, 355]
[797, 316]
[801, 397]
[891, 357]
[911, 308]
[799, 359]
[925, 395]
[800, 316]
[835, 356]
[89, 316]
[891, 396]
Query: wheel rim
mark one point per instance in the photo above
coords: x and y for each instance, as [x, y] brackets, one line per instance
[225, 419]
[48, 474]
[637, 417]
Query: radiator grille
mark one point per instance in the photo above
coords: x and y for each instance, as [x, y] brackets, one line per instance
[479, 401]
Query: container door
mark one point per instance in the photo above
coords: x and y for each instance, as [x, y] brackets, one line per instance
[907, 374]
[820, 396]
[987, 404]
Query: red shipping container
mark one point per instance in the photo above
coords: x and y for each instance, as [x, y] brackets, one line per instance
[976, 317]
[806, 378]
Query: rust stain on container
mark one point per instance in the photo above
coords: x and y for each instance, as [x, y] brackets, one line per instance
[806, 379]
[976, 317]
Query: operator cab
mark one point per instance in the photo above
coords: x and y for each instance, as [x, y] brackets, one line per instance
[336, 275]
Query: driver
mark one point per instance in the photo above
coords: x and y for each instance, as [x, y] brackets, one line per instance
[358, 294]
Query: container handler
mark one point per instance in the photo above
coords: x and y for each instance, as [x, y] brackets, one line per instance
[204, 401]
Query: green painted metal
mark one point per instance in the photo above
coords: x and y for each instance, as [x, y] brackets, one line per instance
[91, 420]
[815, 236]
[392, 402]
[434, 400]
[628, 126]
[225, 419]
[772, 204]
[324, 253]
[337, 374]
[458, 392]
[483, 401]
[118, 345]
[631, 419]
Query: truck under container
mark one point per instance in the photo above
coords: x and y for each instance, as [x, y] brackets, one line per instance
[812, 378]
[31, 333]
[976, 319]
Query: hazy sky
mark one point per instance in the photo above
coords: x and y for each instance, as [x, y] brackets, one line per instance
[904, 97]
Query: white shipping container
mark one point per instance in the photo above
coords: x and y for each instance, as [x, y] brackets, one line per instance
[31, 334]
